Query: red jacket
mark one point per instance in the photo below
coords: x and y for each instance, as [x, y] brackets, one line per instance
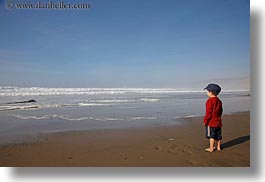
[214, 111]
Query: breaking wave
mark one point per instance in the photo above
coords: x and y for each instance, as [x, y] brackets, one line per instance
[85, 103]
[37, 91]
[70, 118]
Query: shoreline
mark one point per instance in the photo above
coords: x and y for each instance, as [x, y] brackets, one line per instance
[94, 126]
[180, 145]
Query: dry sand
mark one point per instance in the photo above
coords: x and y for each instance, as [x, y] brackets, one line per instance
[180, 145]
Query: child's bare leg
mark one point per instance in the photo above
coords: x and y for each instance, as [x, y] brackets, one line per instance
[211, 144]
[211, 148]
[218, 144]
[215, 144]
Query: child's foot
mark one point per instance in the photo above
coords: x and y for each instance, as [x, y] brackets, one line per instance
[219, 149]
[209, 150]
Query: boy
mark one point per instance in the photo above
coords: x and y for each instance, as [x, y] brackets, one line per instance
[212, 119]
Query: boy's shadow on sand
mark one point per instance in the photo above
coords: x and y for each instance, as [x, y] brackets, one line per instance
[235, 141]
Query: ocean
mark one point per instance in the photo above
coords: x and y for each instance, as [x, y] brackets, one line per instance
[28, 111]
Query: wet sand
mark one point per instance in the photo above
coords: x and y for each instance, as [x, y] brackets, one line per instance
[180, 146]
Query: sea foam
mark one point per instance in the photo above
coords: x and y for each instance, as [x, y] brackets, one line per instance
[37, 91]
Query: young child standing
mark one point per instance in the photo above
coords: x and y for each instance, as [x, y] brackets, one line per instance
[212, 119]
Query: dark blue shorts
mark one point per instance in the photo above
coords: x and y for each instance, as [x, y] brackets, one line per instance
[215, 133]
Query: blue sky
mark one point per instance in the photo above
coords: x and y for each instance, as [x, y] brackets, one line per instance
[123, 43]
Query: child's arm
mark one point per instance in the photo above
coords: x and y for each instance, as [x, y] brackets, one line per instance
[208, 113]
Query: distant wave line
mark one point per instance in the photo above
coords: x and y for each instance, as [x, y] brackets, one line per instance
[38, 91]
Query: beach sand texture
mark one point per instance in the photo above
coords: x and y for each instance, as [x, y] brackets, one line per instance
[181, 145]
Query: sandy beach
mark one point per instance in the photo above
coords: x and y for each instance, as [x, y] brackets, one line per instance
[180, 145]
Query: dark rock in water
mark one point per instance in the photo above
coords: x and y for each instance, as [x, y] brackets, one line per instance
[32, 100]
[23, 102]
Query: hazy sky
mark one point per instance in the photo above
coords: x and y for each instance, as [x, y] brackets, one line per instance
[127, 43]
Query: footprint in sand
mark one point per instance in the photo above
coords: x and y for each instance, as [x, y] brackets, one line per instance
[70, 156]
[188, 146]
[189, 162]
[157, 148]
[186, 151]
[125, 158]
[140, 156]
[175, 149]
